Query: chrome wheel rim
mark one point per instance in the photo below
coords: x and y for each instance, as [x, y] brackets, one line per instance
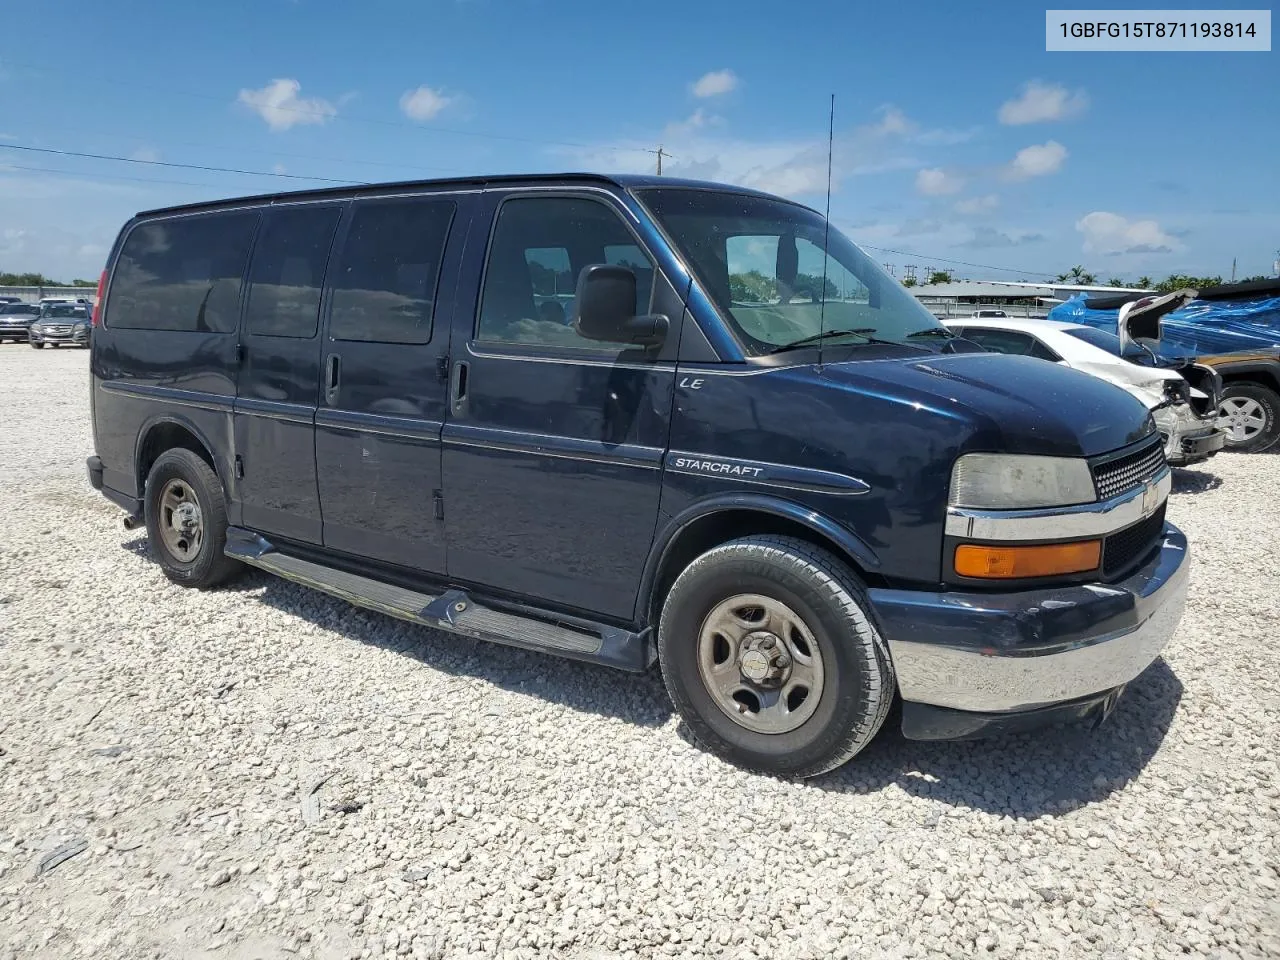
[760, 663]
[181, 521]
[1242, 417]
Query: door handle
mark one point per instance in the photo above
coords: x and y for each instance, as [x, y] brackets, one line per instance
[458, 385]
[332, 379]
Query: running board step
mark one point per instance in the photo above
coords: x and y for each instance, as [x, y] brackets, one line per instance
[454, 610]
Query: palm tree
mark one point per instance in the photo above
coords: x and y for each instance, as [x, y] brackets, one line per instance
[1144, 283]
[1078, 275]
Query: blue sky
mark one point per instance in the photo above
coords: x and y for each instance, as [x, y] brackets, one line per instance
[957, 136]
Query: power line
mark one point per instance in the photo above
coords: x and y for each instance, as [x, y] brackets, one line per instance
[963, 263]
[153, 142]
[169, 163]
[102, 176]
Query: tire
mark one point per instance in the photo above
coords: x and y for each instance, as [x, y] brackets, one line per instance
[36, 346]
[853, 678]
[1244, 403]
[203, 564]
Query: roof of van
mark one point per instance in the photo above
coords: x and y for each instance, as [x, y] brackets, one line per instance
[624, 181]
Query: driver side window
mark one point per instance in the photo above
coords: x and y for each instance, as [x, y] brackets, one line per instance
[540, 245]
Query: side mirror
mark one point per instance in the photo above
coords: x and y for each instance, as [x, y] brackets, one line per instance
[606, 301]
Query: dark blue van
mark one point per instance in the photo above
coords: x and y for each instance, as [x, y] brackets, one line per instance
[631, 421]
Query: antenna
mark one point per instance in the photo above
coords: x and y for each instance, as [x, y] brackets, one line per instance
[826, 229]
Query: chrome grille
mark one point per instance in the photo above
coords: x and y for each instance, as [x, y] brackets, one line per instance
[1114, 477]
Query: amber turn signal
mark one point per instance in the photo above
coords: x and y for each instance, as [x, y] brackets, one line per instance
[1014, 563]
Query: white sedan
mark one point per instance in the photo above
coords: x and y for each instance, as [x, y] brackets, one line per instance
[1184, 414]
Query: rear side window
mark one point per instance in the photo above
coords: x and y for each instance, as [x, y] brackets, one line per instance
[287, 273]
[384, 283]
[1001, 341]
[183, 273]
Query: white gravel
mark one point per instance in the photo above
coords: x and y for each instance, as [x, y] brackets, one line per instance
[484, 802]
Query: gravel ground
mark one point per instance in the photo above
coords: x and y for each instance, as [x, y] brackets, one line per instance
[481, 801]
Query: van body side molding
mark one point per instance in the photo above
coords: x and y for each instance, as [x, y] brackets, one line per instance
[452, 610]
[766, 474]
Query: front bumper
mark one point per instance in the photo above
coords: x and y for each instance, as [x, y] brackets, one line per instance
[16, 331]
[75, 337]
[1026, 651]
[1188, 438]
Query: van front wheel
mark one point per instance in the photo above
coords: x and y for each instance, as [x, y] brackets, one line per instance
[186, 516]
[770, 655]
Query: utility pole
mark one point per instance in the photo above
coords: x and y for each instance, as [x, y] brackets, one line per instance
[661, 153]
[1233, 269]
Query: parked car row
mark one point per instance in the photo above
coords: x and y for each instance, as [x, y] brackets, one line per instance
[52, 322]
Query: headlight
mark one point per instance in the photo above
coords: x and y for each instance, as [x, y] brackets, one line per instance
[1000, 481]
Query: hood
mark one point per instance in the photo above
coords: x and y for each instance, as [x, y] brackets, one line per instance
[1015, 404]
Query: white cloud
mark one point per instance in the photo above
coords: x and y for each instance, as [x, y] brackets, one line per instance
[280, 106]
[145, 154]
[424, 103]
[990, 238]
[978, 204]
[1040, 102]
[699, 148]
[697, 120]
[936, 182]
[892, 122]
[715, 83]
[1038, 160]
[1110, 233]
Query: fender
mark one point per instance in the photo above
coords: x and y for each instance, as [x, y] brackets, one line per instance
[1269, 368]
[669, 533]
[178, 420]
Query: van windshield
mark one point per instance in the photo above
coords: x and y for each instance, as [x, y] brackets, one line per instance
[763, 263]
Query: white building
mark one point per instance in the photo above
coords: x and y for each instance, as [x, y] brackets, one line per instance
[960, 298]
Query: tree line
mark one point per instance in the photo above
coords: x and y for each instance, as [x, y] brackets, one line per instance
[1078, 275]
[39, 280]
[1175, 281]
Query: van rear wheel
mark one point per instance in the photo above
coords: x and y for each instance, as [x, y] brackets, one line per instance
[186, 516]
[770, 655]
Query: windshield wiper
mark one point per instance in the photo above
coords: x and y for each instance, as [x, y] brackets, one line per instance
[863, 332]
[931, 332]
